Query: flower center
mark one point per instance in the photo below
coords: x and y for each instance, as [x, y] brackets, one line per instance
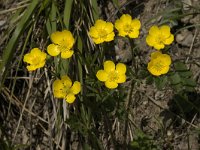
[159, 66]
[160, 39]
[102, 34]
[127, 28]
[65, 90]
[35, 60]
[113, 76]
[63, 48]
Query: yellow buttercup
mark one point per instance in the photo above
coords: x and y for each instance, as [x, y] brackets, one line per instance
[159, 64]
[127, 26]
[102, 31]
[158, 37]
[36, 59]
[62, 44]
[63, 88]
[112, 75]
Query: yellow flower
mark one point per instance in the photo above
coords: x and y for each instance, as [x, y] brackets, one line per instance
[158, 37]
[159, 63]
[102, 31]
[36, 58]
[112, 75]
[126, 26]
[62, 43]
[63, 88]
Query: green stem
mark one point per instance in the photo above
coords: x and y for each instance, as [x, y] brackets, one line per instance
[126, 117]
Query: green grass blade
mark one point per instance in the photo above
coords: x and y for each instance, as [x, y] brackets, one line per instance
[53, 17]
[67, 13]
[95, 11]
[80, 69]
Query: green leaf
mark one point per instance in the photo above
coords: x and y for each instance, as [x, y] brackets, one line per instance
[178, 87]
[67, 12]
[189, 82]
[189, 89]
[160, 82]
[185, 74]
[95, 9]
[149, 80]
[53, 17]
[179, 66]
[175, 78]
[116, 3]
[143, 74]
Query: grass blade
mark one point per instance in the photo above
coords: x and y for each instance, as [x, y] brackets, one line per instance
[67, 13]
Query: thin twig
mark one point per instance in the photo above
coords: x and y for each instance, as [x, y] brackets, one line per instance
[191, 46]
[24, 106]
[13, 9]
[19, 104]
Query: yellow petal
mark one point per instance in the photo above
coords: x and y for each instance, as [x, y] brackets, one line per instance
[68, 40]
[27, 58]
[109, 27]
[167, 59]
[122, 33]
[169, 40]
[43, 56]
[31, 67]
[102, 75]
[159, 46]
[59, 94]
[93, 32]
[36, 51]
[165, 31]
[151, 68]
[165, 69]
[57, 37]
[70, 98]
[126, 18]
[156, 54]
[110, 37]
[134, 34]
[121, 78]
[53, 50]
[67, 53]
[154, 30]
[100, 24]
[58, 89]
[66, 81]
[135, 24]
[109, 66]
[57, 85]
[67, 35]
[111, 84]
[119, 25]
[121, 68]
[150, 40]
[41, 64]
[98, 40]
[76, 87]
